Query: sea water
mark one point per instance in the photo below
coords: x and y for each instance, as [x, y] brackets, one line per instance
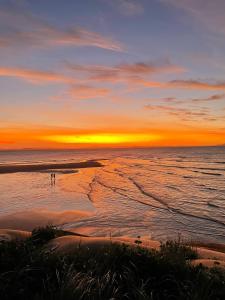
[156, 192]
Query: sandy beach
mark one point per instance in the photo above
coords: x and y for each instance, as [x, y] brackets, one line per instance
[69, 243]
[28, 220]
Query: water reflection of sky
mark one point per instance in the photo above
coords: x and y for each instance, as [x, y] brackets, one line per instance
[147, 192]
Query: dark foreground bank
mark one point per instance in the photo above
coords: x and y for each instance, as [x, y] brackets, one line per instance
[29, 270]
[41, 167]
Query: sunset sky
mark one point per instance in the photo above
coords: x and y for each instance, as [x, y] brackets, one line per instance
[96, 73]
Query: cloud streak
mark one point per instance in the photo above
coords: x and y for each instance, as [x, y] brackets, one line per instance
[34, 76]
[184, 84]
[137, 74]
[25, 30]
[216, 97]
[138, 68]
[132, 74]
[174, 100]
[81, 92]
[127, 7]
[183, 114]
[207, 12]
[197, 84]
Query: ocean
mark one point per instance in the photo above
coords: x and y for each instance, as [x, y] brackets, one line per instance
[161, 193]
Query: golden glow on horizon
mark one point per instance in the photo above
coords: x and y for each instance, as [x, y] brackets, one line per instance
[39, 138]
[111, 138]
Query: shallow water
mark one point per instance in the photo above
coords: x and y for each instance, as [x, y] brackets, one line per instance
[160, 193]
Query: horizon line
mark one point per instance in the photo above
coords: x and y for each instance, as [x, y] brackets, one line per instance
[110, 148]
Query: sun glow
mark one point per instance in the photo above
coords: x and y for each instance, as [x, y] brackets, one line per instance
[111, 138]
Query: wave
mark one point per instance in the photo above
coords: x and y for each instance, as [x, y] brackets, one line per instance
[207, 173]
[212, 204]
[211, 189]
[189, 167]
[172, 209]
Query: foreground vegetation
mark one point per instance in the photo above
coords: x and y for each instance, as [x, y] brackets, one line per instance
[29, 271]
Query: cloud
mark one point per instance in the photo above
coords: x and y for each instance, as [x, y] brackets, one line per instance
[196, 84]
[34, 76]
[127, 7]
[79, 92]
[141, 68]
[180, 84]
[133, 73]
[136, 74]
[210, 13]
[25, 30]
[76, 89]
[174, 100]
[212, 98]
[174, 110]
[170, 100]
[182, 113]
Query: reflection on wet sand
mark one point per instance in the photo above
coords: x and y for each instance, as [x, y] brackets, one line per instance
[154, 193]
[28, 220]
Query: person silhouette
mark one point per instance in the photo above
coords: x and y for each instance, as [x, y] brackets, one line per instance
[52, 178]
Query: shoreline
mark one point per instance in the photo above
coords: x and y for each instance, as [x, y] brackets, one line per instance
[30, 219]
[27, 220]
[4, 169]
[145, 242]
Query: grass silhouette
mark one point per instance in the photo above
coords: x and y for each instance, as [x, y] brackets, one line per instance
[29, 271]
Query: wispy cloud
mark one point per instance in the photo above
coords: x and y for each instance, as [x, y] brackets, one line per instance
[216, 97]
[209, 13]
[79, 92]
[128, 74]
[34, 76]
[127, 7]
[175, 100]
[131, 74]
[183, 114]
[137, 74]
[76, 89]
[196, 84]
[180, 84]
[25, 30]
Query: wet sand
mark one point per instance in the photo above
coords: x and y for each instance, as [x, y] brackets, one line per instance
[9, 234]
[40, 167]
[30, 219]
[148, 192]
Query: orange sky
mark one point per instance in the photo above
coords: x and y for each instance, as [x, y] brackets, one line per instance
[112, 73]
[40, 138]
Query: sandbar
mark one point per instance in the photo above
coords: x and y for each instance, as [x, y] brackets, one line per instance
[45, 166]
